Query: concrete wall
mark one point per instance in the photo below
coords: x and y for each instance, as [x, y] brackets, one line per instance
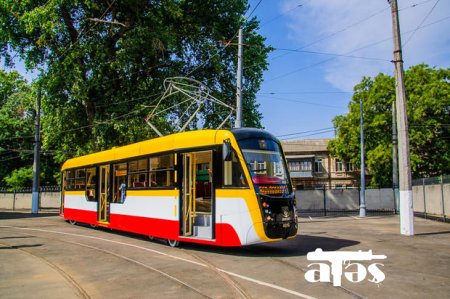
[430, 199]
[20, 201]
[418, 199]
[380, 199]
[342, 199]
[309, 199]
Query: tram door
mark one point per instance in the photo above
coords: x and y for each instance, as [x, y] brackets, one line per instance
[103, 205]
[197, 195]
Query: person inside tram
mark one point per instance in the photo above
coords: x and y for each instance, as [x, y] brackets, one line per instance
[123, 191]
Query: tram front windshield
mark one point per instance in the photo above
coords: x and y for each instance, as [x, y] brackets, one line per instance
[267, 166]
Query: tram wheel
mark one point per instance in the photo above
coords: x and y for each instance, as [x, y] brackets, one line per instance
[73, 222]
[93, 225]
[151, 238]
[173, 243]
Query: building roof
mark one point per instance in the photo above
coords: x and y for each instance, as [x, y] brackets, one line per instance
[305, 146]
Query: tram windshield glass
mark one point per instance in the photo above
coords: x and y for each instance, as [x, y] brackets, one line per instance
[267, 166]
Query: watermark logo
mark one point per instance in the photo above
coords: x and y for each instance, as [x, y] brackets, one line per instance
[343, 262]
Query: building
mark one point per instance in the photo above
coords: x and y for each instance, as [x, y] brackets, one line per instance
[311, 166]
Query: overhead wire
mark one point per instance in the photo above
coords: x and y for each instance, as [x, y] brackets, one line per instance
[335, 32]
[303, 132]
[303, 102]
[421, 23]
[80, 34]
[256, 6]
[347, 53]
[227, 44]
[282, 14]
[349, 27]
[303, 92]
[331, 54]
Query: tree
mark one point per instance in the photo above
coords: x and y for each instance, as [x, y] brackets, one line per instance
[105, 61]
[428, 107]
[16, 126]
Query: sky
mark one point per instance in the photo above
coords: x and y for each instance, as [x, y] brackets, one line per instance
[325, 47]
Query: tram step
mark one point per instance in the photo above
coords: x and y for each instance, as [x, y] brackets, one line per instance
[203, 231]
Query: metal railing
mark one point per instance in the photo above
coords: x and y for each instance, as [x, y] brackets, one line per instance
[29, 189]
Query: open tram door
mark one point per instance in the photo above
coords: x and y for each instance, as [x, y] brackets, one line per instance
[103, 204]
[197, 195]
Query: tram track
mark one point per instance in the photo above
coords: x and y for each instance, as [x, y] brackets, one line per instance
[80, 289]
[199, 261]
[239, 291]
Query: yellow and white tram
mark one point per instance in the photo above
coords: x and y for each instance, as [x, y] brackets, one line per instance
[218, 187]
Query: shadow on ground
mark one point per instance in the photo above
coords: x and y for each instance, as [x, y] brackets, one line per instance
[26, 214]
[298, 246]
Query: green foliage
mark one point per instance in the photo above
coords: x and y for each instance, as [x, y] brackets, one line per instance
[428, 105]
[19, 178]
[16, 123]
[100, 77]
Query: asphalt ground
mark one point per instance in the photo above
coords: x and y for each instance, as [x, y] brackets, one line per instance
[45, 257]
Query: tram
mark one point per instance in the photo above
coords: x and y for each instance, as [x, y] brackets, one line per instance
[218, 187]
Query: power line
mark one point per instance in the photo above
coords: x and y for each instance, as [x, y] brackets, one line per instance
[355, 50]
[300, 133]
[335, 33]
[84, 30]
[303, 102]
[303, 92]
[319, 132]
[331, 54]
[254, 9]
[282, 14]
[14, 158]
[227, 44]
[421, 23]
[348, 27]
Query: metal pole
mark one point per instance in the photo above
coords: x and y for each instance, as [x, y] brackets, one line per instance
[36, 163]
[442, 198]
[395, 160]
[238, 123]
[362, 205]
[406, 202]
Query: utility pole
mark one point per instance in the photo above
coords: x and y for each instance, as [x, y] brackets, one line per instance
[238, 123]
[36, 163]
[395, 159]
[362, 204]
[406, 203]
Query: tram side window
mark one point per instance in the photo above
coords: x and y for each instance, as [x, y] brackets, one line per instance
[161, 171]
[91, 183]
[75, 179]
[138, 174]
[233, 175]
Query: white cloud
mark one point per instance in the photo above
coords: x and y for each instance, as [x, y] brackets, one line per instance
[342, 26]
